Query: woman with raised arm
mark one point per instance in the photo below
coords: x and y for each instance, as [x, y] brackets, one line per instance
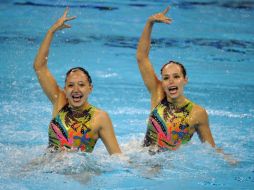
[76, 124]
[174, 118]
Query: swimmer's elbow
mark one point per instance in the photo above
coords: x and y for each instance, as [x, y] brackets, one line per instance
[40, 62]
[38, 65]
[140, 57]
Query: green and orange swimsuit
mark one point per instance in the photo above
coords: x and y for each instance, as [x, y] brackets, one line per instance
[168, 125]
[72, 130]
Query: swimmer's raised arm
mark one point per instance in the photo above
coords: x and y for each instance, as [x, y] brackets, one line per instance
[146, 69]
[46, 79]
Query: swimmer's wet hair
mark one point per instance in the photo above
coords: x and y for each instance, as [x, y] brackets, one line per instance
[80, 69]
[177, 63]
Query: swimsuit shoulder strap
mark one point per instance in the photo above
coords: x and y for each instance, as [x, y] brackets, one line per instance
[188, 105]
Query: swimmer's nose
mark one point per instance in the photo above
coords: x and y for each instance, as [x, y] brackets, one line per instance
[170, 80]
[76, 88]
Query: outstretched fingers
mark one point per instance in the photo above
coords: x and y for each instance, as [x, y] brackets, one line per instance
[66, 12]
[166, 10]
[167, 20]
[70, 18]
[66, 18]
[67, 26]
[161, 17]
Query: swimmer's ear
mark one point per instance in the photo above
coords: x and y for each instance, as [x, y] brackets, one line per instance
[186, 80]
[91, 88]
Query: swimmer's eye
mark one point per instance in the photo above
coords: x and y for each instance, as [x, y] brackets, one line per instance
[165, 78]
[70, 85]
[177, 76]
[82, 84]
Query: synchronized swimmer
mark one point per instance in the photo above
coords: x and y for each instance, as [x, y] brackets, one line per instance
[174, 118]
[77, 125]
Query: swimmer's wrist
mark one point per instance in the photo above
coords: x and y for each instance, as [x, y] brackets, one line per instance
[51, 31]
[219, 150]
[150, 20]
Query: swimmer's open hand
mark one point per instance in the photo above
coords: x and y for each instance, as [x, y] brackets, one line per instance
[161, 17]
[60, 23]
[232, 161]
[228, 157]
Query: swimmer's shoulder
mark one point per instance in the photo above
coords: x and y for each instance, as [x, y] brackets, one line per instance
[199, 109]
[60, 102]
[100, 114]
[198, 113]
[196, 107]
[100, 119]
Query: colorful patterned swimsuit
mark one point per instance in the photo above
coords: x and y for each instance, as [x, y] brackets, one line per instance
[72, 130]
[168, 126]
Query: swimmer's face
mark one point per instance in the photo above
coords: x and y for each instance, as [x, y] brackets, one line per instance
[173, 81]
[77, 88]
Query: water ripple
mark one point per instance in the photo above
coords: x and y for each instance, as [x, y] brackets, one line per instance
[229, 114]
[63, 5]
[248, 5]
[228, 45]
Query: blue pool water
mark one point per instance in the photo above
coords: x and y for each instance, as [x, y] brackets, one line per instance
[214, 40]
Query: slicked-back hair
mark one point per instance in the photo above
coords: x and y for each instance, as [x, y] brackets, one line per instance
[177, 63]
[79, 69]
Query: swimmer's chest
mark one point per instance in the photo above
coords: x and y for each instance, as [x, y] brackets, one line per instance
[78, 124]
[176, 119]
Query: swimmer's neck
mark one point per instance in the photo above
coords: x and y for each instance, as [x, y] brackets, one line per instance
[178, 102]
[81, 108]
